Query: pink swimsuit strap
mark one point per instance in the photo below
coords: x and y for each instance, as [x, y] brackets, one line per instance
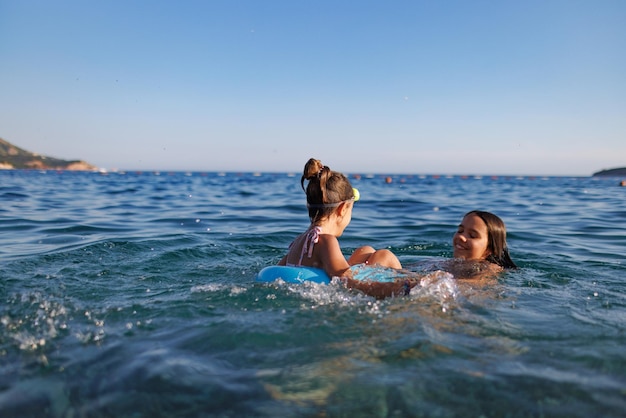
[312, 237]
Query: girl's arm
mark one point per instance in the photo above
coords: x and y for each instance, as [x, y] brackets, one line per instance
[472, 269]
[381, 290]
[331, 258]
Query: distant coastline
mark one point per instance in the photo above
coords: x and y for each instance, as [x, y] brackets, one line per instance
[13, 157]
[613, 172]
[16, 158]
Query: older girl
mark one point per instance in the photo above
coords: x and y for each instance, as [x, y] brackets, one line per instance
[480, 238]
[479, 249]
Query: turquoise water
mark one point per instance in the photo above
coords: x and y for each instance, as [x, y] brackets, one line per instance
[133, 295]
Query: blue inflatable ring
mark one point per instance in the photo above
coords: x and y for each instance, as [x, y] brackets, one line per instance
[316, 275]
[293, 274]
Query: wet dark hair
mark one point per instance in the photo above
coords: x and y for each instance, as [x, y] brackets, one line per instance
[324, 187]
[496, 240]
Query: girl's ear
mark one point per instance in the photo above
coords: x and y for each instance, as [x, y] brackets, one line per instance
[342, 208]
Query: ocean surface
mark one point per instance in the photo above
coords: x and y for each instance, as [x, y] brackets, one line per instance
[134, 295]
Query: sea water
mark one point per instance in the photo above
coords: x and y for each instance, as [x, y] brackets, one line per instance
[133, 295]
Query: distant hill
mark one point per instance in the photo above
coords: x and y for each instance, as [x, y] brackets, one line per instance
[12, 157]
[613, 172]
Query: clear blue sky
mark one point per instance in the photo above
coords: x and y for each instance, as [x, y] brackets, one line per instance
[445, 87]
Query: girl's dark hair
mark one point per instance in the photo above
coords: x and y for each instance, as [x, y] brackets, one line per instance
[496, 231]
[324, 187]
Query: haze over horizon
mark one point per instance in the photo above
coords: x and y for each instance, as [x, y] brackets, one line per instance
[412, 87]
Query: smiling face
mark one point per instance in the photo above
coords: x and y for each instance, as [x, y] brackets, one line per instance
[471, 240]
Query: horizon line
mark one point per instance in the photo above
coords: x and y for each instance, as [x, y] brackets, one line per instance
[352, 174]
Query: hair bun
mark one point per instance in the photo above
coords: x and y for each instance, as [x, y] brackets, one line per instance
[312, 170]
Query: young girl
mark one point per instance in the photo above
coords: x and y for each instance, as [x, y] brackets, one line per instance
[330, 198]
